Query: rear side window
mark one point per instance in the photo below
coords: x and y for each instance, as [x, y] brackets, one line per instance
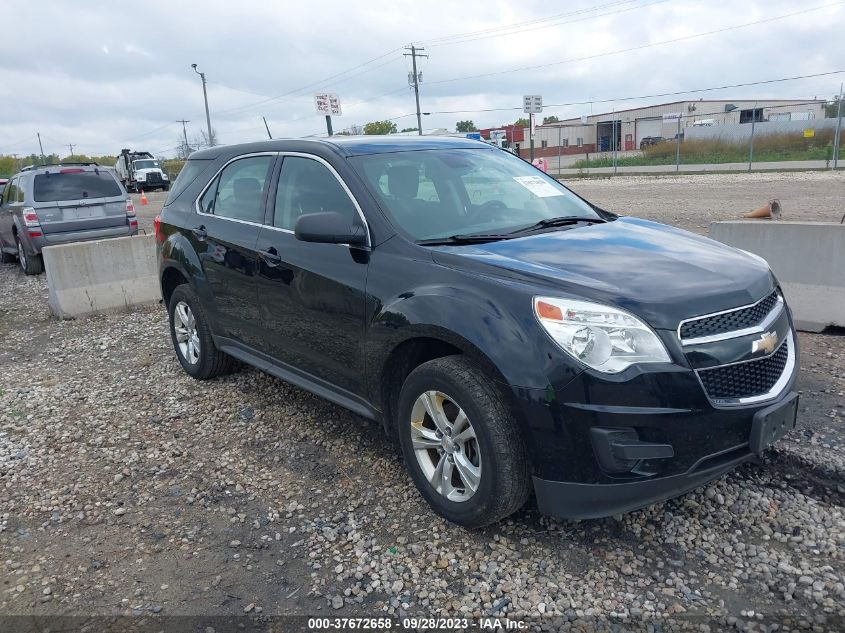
[11, 191]
[188, 174]
[237, 193]
[51, 187]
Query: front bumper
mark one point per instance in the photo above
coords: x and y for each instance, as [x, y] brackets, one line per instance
[591, 501]
[661, 412]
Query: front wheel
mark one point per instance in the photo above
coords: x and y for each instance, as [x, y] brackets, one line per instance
[461, 444]
[191, 336]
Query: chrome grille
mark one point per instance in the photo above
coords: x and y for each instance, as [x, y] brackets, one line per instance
[729, 321]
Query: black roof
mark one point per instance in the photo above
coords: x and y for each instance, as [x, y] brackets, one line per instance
[347, 145]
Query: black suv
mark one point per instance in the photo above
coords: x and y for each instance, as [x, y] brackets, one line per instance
[512, 335]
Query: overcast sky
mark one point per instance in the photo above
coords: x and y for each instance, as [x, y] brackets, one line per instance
[107, 75]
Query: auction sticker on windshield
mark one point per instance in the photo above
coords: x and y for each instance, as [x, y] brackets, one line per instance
[538, 186]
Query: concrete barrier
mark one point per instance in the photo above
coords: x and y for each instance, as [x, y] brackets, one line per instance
[101, 276]
[808, 259]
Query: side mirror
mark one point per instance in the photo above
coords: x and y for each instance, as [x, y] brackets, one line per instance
[329, 228]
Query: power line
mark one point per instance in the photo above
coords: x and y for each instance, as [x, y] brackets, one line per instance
[532, 25]
[650, 96]
[320, 82]
[640, 47]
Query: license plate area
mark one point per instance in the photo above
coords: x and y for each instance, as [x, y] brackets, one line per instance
[85, 213]
[772, 423]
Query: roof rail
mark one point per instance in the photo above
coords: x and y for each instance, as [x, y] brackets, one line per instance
[63, 164]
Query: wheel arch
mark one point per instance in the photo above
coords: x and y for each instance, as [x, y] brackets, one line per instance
[171, 278]
[420, 348]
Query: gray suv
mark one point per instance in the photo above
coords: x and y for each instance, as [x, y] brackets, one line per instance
[56, 204]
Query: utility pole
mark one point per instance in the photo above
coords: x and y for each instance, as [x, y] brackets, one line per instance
[185, 135]
[751, 145]
[678, 146]
[205, 97]
[41, 147]
[837, 137]
[267, 127]
[70, 147]
[615, 144]
[415, 80]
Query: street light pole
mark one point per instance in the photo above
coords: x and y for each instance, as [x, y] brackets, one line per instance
[205, 98]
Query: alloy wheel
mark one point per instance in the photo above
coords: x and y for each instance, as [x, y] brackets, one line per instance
[21, 254]
[446, 446]
[187, 337]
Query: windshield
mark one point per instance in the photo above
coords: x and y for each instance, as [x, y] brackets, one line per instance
[147, 164]
[74, 185]
[439, 193]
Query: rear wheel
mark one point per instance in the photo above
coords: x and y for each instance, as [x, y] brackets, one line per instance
[460, 442]
[30, 264]
[5, 258]
[191, 336]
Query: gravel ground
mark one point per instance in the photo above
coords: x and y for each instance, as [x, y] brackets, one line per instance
[130, 489]
[693, 202]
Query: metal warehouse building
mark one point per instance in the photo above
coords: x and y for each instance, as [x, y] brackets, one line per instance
[625, 130]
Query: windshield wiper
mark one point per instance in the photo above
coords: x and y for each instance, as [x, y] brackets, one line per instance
[469, 238]
[564, 220]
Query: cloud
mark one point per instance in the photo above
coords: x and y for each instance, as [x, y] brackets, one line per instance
[102, 98]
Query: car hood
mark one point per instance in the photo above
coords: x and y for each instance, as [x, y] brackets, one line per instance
[658, 272]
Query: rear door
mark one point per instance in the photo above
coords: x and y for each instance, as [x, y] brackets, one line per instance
[78, 199]
[7, 212]
[229, 215]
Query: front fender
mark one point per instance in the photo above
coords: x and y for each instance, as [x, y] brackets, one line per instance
[503, 333]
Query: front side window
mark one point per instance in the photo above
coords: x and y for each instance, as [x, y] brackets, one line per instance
[74, 184]
[307, 186]
[237, 193]
[434, 194]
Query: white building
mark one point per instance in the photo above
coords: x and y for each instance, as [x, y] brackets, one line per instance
[595, 133]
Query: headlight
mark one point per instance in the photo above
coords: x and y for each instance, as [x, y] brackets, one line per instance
[601, 337]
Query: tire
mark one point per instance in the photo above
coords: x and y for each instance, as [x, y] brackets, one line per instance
[206, 361]
[497, 451]
[30, 264]
[6, 258]
[166, 188]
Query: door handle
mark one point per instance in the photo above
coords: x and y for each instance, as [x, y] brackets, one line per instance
[200, 232]
[270, 257]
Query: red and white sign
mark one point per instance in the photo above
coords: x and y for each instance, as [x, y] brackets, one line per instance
[327, 103]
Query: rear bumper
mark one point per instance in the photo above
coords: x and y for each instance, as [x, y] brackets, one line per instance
[52, 239]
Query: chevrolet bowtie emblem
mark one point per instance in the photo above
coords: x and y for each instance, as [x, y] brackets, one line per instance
[766, 343]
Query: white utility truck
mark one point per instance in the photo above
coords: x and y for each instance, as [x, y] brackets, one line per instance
[140, 171]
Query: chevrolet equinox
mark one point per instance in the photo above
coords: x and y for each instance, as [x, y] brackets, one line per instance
[513, 336]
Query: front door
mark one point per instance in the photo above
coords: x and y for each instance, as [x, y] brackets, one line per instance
[225, 235]
[312, 295]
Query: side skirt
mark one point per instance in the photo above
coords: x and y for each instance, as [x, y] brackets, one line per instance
[290, 374]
